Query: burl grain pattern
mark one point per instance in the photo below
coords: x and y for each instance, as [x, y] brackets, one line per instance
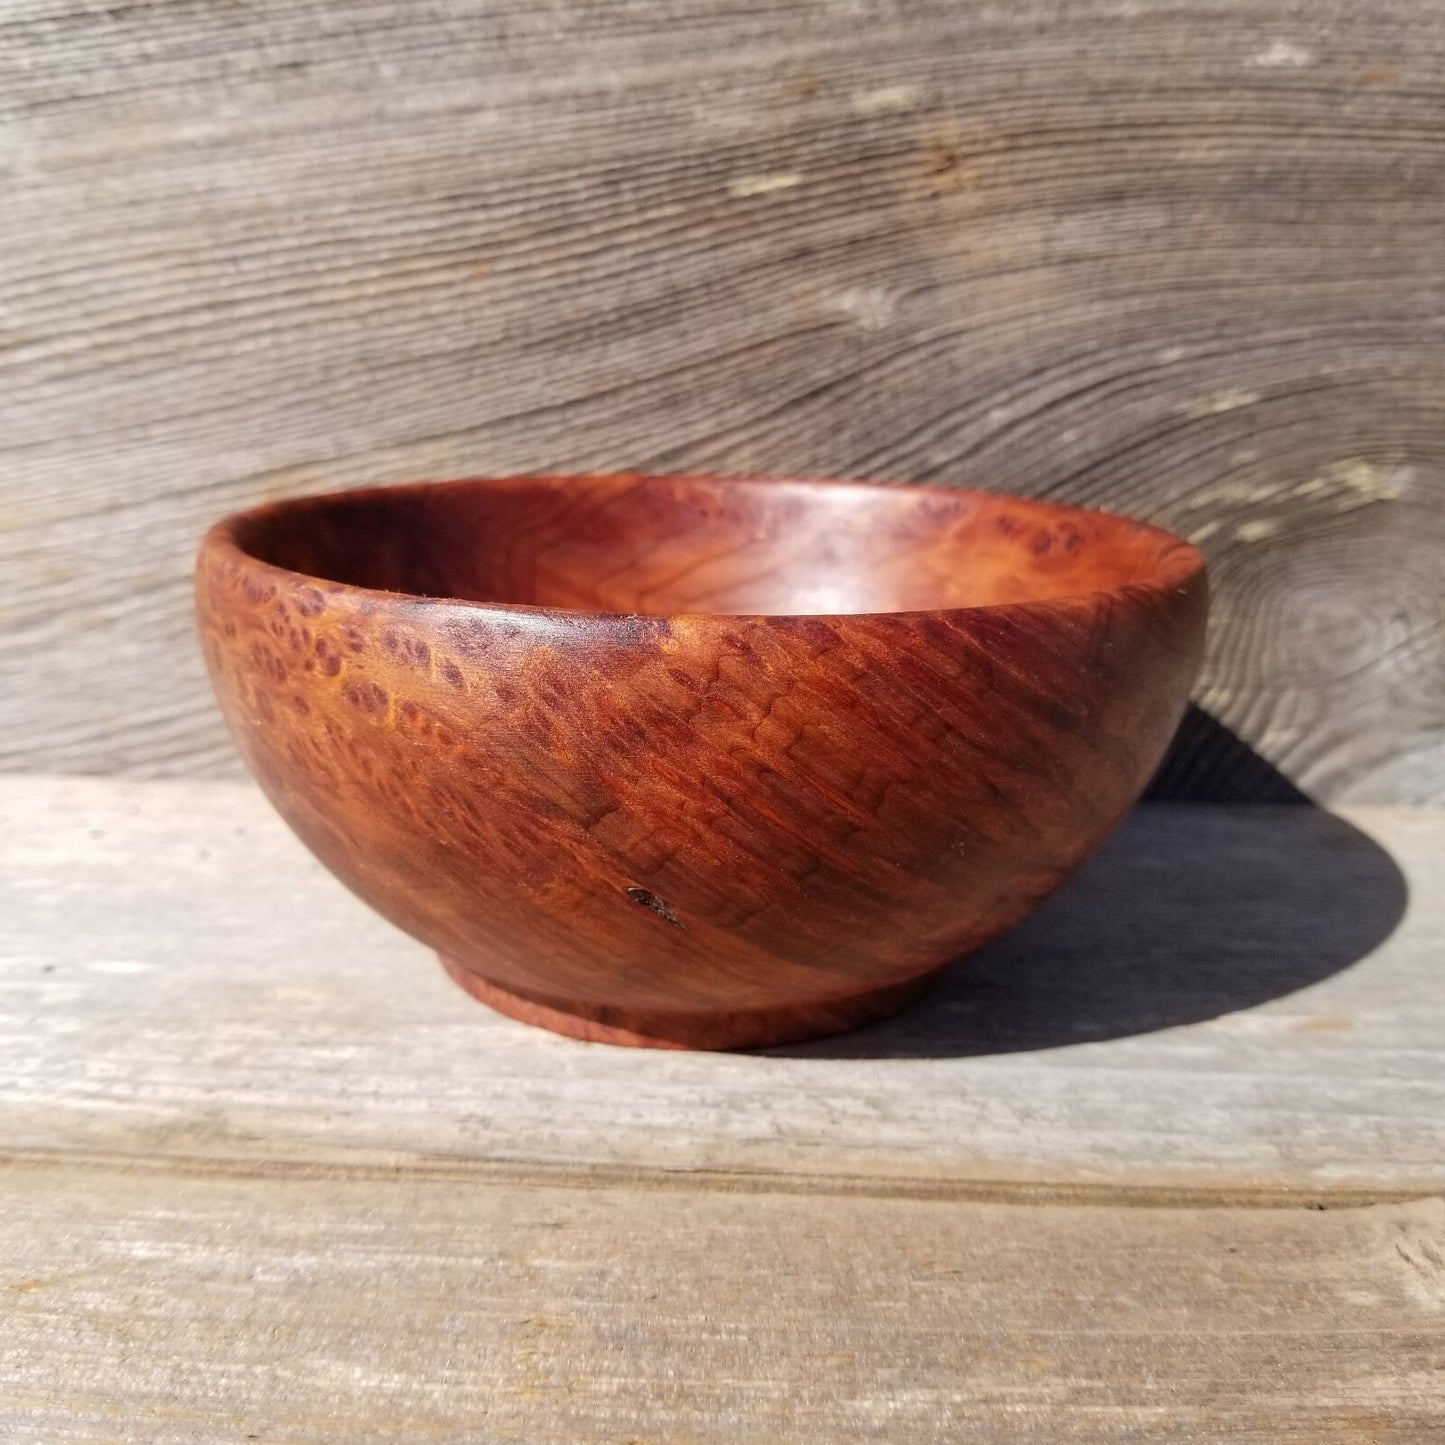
[697, 762]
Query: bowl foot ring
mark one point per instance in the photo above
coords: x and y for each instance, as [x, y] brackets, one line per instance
[742, 1029]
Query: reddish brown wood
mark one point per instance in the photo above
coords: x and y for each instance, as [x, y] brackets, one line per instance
[691, 761]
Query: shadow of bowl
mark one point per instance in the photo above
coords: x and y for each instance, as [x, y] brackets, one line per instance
[1191, 911]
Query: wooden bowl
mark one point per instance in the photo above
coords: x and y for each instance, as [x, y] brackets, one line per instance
[697, 762]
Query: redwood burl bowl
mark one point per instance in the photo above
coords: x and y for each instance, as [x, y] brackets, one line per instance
[690, 761]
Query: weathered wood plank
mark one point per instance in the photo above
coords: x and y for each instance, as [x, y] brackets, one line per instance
[1178, 260]
[164, 1309]
[1230, 1002]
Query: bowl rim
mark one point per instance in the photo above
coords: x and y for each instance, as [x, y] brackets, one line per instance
[1178, 565]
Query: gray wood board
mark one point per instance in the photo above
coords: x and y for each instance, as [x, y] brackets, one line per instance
[166, 1309]
[1230, 1003]
[1183, 261]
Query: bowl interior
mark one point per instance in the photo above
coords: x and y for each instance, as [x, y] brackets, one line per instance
[671, 545]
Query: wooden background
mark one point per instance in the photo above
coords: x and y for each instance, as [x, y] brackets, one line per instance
[1186, 261]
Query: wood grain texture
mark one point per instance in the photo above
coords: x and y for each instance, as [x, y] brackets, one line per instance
[252, 1188]
[163, 1309]
[628, 787]
[1228, 1003]
[1181, 261]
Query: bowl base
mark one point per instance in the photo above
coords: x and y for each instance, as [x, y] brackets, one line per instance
[742, 1029]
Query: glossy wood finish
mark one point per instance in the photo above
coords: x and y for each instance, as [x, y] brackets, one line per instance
[698, 762]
